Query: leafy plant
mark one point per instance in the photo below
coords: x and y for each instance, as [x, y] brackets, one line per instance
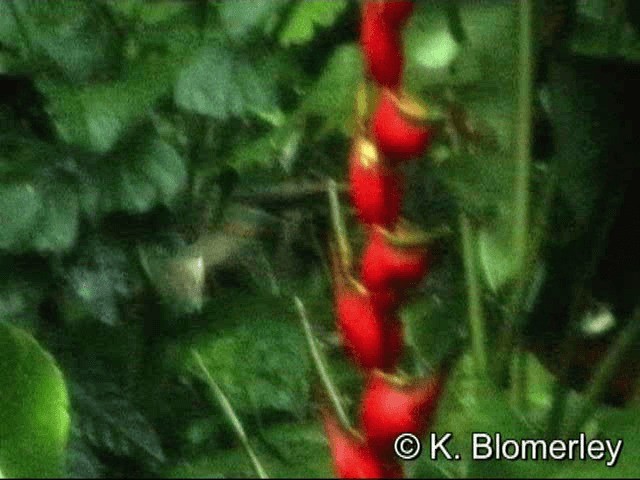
[163, 190]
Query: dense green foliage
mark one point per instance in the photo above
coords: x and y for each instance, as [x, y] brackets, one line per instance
[161, 191]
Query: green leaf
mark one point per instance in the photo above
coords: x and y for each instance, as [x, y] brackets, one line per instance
[108, 420]
[98, 281]
[156, 174]
[58, 227]
[256, 352]
[495, 252]
[221, 83]
[333, 94]
[472, 405]
[240, 17]
[82, 462]
[480, 183]
[40, 204]
[302, 453]
[73, 37]
[33, 408]
[615, 424]
[9, 33]
[98, 115]
[430, 44]
[150, 13]
[20, 297]
[306, 16]
[434, 323]
[20, 205]
[138, 175]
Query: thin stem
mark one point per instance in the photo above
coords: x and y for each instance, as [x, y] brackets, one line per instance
[558, 405]
[231, 416]
[616, 14]
[606, 371]
[521, 235]
[476, 319]
[521, 384]
[319, 364]
[22, 28]
[339, 227]
[523, 134]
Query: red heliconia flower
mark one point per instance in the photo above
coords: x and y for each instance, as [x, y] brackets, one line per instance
[387, 265]
[352, 457]
[382, 47]
[396, 12]
[391, 407]
[399, 127]
[376, 190]
[371, 338]
[387, 300]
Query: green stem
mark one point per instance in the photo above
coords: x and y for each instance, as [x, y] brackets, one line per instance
[556, 415]
[606, 371]
[476, 319]
[616, 12]
[521, 241]
[231, 416]
[521, 384]
[22, 28]
[319, 364]
[339, 227]
[523, 133]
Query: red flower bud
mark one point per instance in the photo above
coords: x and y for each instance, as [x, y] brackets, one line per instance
[352, 457]
[371, 338]
[382, 47]
[376, 190]
[391, 407]
[386, 265]
[399, 127]
[396, 12]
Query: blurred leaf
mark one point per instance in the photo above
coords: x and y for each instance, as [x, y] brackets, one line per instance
[19, 299]
[256, 353]
[472, 405]
[306, 16]
[156, 175]
[455, 22]
[58, 227]
[429, 41]
[333, 94]
[98, 115]
[71, 35]
[615, 424]
[221, 83]
[489, 25]
[259, 154]
[108, 420]
[33, 408]
[33, 218]
[496, 256]
[142, 172]
[98, 280]
[240, 17]
[435, 324]
[481, 184]
[150, 13]
[82, 462]
[40, 205]
[303, 448]
[9, 33]
[19, 208]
